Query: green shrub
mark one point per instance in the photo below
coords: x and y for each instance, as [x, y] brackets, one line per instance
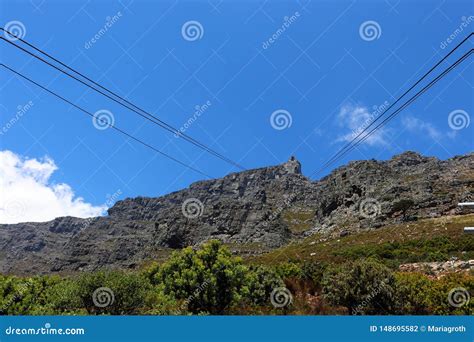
[60, 298]
[163, 304]
[150, 272]
[288, 270]
[364, 286]
[313, 271]
[260, 282]
[25, 296]
[439, 248]
[113, 292]
[416, 294]
[208, 280]
[450, 295]
[413, 294]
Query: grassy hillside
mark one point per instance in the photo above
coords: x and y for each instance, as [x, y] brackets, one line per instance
[435, 239]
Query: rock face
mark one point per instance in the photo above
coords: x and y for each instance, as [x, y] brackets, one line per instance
[437, 269]
[264, 207]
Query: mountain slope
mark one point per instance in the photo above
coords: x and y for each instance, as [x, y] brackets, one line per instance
[265, 207]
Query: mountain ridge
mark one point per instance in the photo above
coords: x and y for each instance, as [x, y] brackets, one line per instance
[268, 207]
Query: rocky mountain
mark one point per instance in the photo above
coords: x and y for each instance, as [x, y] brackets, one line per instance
[263, 208]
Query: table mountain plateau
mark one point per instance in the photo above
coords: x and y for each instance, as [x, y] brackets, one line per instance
[264, 208]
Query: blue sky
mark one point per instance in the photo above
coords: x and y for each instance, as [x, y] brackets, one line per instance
[323, 71]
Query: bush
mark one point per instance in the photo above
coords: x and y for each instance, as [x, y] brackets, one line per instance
[416, 294]
[163, 304]
[150, 272]
[113, 292]
[208, 280]
[413, 294]
[364, 286]
[60, 298]
[438, 248]
[25, 296]
[260, 282]
[313, 271]
[455, 287]
[288, 270]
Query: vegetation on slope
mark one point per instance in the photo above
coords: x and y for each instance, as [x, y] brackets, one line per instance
[436, 239]
[213, 281]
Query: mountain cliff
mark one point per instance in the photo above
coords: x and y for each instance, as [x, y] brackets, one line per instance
[264, 208]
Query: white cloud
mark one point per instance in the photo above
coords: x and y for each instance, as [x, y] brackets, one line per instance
[26, 194]
[358, 118]
[416, 125]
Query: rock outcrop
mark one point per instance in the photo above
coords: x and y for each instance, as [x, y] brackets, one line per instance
[438, 269]
[264, 207]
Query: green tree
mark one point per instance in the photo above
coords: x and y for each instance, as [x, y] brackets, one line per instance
[207, 280]
[363, 286]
